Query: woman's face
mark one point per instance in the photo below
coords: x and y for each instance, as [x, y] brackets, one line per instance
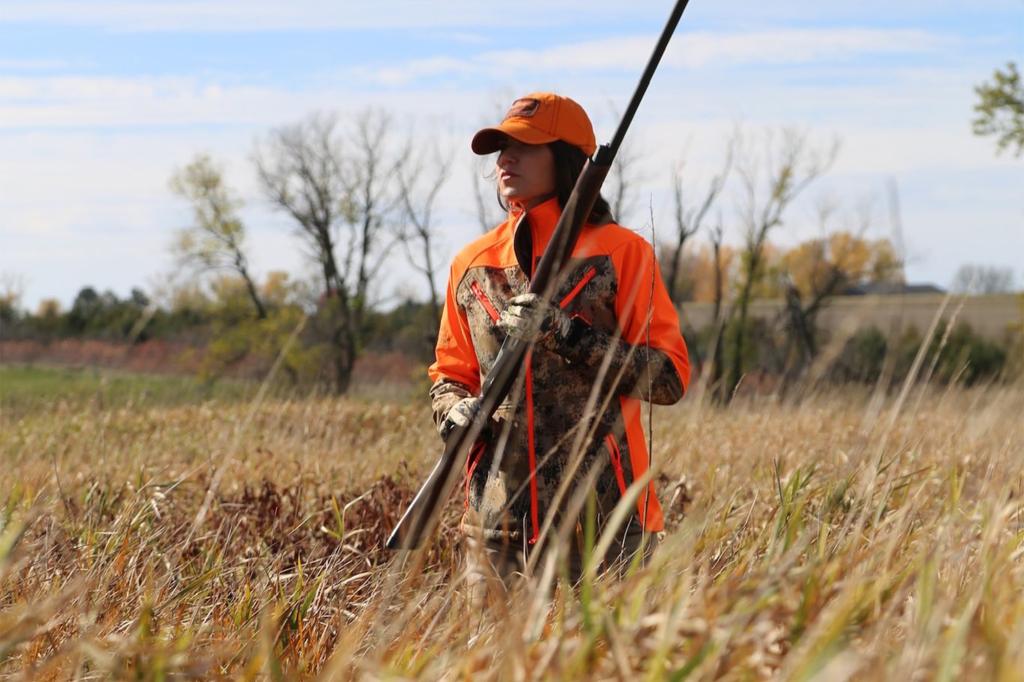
[526, 173]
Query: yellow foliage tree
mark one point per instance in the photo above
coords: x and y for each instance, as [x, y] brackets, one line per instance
[49, 309]
[841, 259]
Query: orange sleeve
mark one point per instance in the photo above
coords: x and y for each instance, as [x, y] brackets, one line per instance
[642, 296]
[455, 357]
[646, 315]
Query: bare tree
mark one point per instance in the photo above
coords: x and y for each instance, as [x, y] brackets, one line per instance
[373, 199]
[802, 346]
[815, 271]
[625, 175]
[689, 218]
[11, 291]
[420, 178]
[983, 279]
[717, 359]
[484, 197]
[339, 193]
[216, 239]
[772, 176]
[11, 287]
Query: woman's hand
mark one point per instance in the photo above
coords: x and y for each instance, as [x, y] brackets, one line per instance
[460, 414]
[529, 318]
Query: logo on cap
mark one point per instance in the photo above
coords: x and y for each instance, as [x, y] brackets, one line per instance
[524, 107]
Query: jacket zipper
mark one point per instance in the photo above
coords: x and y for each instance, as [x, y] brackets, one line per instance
[616, 457]
[492, 312]
[587, 276]
[531, 450]
[474, 458]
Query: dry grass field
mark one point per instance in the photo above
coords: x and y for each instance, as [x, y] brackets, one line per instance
[841, 536]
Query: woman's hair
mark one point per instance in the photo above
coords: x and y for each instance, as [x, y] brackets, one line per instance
[569, 161]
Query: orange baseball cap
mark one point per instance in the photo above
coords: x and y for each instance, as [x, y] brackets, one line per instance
[539, 118]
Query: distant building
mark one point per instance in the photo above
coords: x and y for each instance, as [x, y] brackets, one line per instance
[890, 289]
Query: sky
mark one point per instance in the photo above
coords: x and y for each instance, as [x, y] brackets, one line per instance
[100, 103]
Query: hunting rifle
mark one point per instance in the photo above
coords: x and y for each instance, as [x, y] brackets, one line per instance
[424, 512]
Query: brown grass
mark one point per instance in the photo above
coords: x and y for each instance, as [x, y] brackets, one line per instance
[831, 539]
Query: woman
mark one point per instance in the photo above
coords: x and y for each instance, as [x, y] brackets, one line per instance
[610, 322]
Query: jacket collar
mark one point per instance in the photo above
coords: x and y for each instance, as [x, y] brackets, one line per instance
[532, 230]
[542, 218]
[541, 221]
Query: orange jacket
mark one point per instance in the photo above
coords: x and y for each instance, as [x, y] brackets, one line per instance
[620, 311]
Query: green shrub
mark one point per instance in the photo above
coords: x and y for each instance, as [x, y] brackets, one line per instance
[862, 357]
[249, 347]
[966, 356]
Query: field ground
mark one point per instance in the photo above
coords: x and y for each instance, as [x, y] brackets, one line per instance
[844, 536]
[991, 315]
[34, 388]
[26, 388]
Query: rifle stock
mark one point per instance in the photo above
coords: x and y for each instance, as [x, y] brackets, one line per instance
[421, 518]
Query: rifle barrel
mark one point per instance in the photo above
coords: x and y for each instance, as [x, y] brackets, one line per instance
[645, 79]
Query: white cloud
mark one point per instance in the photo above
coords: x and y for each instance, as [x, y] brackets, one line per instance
[797, 46]
[33, 64]
[111, 101]
[690, 50]
[465, 38]
[417, 69]
[47, 102]
[258, 15]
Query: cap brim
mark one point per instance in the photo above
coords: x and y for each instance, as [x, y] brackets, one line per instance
[490, 140]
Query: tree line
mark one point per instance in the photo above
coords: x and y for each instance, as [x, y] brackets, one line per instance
[355, 196]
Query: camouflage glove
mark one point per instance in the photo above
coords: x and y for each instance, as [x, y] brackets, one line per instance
[460, 414]
[531, 319]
